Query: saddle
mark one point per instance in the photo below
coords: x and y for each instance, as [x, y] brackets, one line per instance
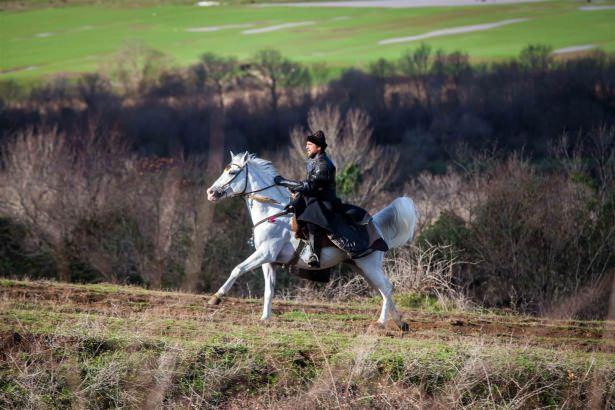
[302, 234]
[321, 275]
[358, 238]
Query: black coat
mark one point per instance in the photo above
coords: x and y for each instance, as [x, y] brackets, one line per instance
[349, 227]
[320, 202]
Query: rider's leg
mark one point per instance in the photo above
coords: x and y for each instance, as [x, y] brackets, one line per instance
[315, 236]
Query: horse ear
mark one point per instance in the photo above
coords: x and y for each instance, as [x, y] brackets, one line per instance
[232, 155]
[246, 156]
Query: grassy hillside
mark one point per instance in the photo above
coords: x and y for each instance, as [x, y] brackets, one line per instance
[111, 346]
[79, 38]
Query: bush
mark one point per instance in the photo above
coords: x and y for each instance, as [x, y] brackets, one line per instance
[448, 229]
[17, 258]
[532, 240]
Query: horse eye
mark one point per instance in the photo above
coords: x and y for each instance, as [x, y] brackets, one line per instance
[233, 172]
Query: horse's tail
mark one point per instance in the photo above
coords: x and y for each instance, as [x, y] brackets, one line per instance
[397, 221]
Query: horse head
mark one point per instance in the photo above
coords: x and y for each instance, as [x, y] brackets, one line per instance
[234, 179]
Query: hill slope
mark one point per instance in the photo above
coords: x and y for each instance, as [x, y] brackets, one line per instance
[109, 346]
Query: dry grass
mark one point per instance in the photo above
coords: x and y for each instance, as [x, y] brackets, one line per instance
[103, 346]
[413, 271]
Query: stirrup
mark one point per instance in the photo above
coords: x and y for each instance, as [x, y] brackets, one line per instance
[313, 261]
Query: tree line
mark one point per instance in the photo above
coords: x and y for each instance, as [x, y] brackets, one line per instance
[426, 104]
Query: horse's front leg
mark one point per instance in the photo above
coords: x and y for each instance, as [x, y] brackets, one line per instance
[266, 253]
[269, 273]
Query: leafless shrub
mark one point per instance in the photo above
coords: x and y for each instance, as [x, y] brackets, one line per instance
[345, 285]
[427, 270]
[592, 152]
[531, 227]
[88, 198]
[51, 181]
[411, 270]
[434, 194]
[158, 195]
[602, 151]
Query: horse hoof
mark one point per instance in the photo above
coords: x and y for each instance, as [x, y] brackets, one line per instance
[214, 300]
[404, 327]
[377, 327]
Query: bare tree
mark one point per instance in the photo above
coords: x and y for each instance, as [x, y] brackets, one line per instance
[415, 65]
[217, 71]
[203, 210]
[166, 218]
[278, 73]
[135, 65]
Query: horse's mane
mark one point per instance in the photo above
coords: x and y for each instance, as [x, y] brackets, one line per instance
[264, 165]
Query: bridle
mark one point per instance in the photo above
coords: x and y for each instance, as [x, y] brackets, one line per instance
[243, 193]
[251, 195]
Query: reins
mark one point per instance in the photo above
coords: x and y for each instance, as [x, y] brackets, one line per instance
[271, 218]
[258, 198]
[245, 186]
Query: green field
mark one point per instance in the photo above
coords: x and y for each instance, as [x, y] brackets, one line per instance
[73, 39]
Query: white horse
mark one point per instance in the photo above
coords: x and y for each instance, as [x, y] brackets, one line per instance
[252, 179]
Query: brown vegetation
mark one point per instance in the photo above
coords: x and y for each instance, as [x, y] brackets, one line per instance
[108, 346]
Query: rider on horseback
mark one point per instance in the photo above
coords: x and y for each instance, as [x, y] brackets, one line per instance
[316, 206]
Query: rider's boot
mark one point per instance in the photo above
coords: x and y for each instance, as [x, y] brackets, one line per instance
[314, 259]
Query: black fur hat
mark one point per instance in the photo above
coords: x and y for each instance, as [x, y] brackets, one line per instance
[318, 138]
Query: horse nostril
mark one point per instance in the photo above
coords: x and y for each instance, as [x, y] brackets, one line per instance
[214, 193]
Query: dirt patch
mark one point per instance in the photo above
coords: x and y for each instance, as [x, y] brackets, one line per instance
[210, 29]
[399, 4]
[452, 31]
[278, 27]
[574, 49]
[596, 8]
[350, 320]
[17, 69]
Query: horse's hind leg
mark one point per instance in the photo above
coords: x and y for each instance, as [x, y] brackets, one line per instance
[269, 273]
[371, 268]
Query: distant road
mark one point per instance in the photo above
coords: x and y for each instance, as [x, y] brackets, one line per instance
[399, 4]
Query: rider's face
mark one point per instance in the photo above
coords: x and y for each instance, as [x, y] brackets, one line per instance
[312, 149]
